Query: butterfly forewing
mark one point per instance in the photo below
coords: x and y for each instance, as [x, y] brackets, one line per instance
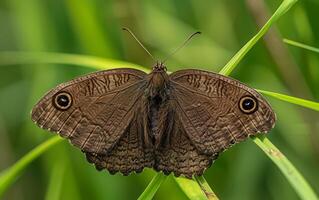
[92, 111]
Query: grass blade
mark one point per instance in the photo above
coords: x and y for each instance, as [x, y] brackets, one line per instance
[8, 176]
[301, 45]
[282, 9]
[16, 58]
[294, 177]
[206, 188]
[152, 187]
[191, 188]
[294, 100]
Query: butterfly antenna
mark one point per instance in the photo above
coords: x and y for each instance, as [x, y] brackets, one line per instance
[182, 45]
[138, 41]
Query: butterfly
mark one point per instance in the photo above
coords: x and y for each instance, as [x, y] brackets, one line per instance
[125, 120]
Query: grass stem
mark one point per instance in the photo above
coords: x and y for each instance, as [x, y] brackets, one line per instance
[152, 187]
[8, 176]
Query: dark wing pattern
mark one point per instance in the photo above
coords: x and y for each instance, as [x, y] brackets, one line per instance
[103, 105]
[129, 154]
[177, 154]
[207, 106]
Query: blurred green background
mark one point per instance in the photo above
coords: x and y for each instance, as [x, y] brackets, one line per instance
[94, 28]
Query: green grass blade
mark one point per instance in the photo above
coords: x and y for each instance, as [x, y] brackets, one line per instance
[8, 176]
[191, 188]
[282, 9]
[152, 187]
[294, 100]
[301, 45]
[206, 188]
[15, 58]
[295, 179]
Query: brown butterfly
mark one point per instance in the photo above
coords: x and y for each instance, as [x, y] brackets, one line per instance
[125, 120]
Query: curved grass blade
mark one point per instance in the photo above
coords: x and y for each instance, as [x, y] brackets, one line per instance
[8, 176]
[301, 45]
[152, 187]
[282, 9]
[16, 58]
[206, 188]
[294, 177]
[191, 188]
[294, 100]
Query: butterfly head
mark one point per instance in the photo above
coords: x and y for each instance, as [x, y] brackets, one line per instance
[159, 67]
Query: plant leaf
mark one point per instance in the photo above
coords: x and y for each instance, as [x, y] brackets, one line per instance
[191, 188]
[294, 100]
[206, 188]
[294, 177]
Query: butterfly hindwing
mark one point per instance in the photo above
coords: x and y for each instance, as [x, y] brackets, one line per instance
[177, 153]
[130, 154]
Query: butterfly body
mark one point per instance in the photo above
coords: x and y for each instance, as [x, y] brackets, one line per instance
[125, 120]
[156, 103]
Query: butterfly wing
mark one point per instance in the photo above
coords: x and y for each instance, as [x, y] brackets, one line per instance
[98, 108]
[208, 106]
[129, 154]
[177, 153]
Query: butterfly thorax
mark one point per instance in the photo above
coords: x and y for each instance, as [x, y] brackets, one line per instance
[158, 83]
